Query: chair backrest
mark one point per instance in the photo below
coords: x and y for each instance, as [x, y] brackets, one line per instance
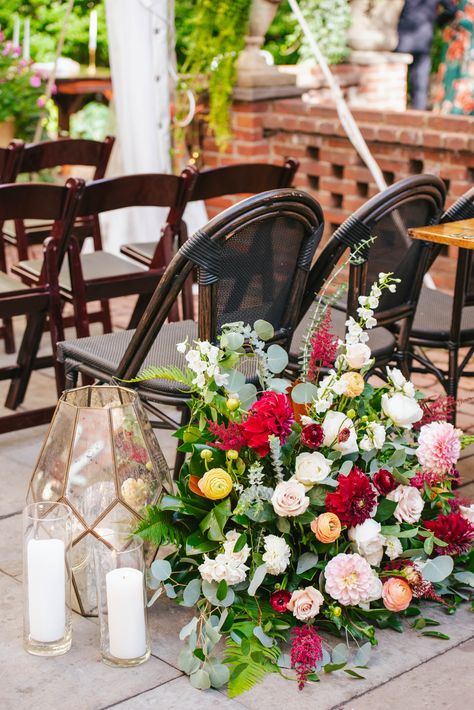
[9, 161]
[40, 201]
[244, 178]
[413, 202]
[67, 151]
[253, 261]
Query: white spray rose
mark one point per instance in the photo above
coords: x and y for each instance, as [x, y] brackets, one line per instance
[399, 381]
[311, 468]
[277, 554]
[222, 567]
[402, 410]
[410, 504]
[368, 541]
[339, 432]
[231, 538]
[358, 355]
[374, 437]
[393, 547]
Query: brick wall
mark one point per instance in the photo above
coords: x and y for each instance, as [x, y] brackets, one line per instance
[403, 144]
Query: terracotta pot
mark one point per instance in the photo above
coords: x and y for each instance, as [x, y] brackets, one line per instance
[7, 132]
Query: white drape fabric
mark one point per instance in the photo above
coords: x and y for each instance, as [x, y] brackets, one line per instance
[139, 49]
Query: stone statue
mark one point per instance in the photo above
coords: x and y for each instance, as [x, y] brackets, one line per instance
[374, 24]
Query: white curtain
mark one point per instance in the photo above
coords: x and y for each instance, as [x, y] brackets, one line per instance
[140, 33]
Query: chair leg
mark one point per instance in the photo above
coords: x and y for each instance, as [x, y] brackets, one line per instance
[453, 376]
[26, 356]
[140, 305]
[106, 316]
[181, 455]
[9, 336]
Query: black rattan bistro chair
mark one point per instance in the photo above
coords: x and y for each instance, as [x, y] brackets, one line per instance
[233, 285]
[412, 202]
[447, 322]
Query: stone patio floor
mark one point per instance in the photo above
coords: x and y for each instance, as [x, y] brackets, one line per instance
[406, 671]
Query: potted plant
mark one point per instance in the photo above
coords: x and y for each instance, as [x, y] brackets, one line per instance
[21, 94]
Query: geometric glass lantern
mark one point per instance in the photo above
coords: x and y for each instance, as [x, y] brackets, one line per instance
[100, 457]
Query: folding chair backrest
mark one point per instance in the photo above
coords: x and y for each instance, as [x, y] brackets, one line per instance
[67, 151]
[253, 260]
[413, 202]
[463, 208]
[245, 178]
[9, 161]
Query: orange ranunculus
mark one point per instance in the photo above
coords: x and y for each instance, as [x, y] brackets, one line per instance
[193, 486]
[396, 594]
[326, 527]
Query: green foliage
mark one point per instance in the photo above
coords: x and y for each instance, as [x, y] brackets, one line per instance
[248, 661]
[159, 527]
[162, 373]
[46, 22]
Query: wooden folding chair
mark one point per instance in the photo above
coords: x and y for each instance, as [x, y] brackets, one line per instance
[59, 205]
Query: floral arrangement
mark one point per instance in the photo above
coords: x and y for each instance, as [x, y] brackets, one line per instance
[325, 505]
[22, 90]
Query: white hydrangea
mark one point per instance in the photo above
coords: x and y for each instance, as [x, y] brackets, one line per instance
[277, 554]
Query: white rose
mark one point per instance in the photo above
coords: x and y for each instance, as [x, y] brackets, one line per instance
[277, 554]
[334, 423]
[236, 573]
[358, 355]
[402, 410]
[374, 437]
[467, 512]
[399, 381]
[311, 468]
[393, 547]
[206, 570]
[289, 498]
[368, 541]
[410, 504]
[231, 538]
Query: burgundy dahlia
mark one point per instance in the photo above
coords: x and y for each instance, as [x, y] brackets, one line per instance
[272, 414]
[354, 498]
[312, 436]
[384, 481]
[453, 529]
[279, 600]
[306, 652]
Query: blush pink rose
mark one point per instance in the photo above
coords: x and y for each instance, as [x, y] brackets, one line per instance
[305, 603]
[289, 499]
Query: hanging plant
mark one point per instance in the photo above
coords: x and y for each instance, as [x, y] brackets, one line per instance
[216, 37]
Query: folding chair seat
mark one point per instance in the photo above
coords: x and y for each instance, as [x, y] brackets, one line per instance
[412, 202]
[233, 285]
[244, 178]
[59, 205]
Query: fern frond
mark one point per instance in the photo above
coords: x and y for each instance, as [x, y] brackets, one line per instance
[160, 528]
[163, 373]
[248, 664]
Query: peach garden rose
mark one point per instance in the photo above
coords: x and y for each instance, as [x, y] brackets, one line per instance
[326, 527]
[305, 603]
[289, 499]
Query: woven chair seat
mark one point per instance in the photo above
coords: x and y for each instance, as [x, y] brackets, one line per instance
[142, 251]
[97, 265]
[381, 341]
[433, 317]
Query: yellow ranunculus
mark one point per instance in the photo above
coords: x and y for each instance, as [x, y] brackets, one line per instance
[216, 483]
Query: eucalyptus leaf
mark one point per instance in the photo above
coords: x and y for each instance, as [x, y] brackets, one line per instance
[212, 634]
[264, 639]
[233, 341]
[283, 525]
[438, 568]
[465, 578]
[188, 628]
[362, 656]
[161, 569]
[284, 660]
[340, 654]
[306, 561]
[218, 674]
[264, 329]
[236, 381]
[346, 468]
[277, 358]
[247, 395]
[257, 579]
[169, 589]
[304, 393]
[200, 680]
[187, 661]
[279, 384]
[155, 596]
[192, 592]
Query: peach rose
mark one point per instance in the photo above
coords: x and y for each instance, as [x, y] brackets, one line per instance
[353, 384]
[305, 603]
[326, 527]
[396, 594]
[289, 499]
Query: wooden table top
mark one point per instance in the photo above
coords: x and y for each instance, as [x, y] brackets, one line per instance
[456, 234]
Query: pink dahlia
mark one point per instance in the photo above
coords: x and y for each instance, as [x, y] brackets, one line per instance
[438, 447]
[349, 579]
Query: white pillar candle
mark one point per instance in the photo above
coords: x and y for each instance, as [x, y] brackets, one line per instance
[93, 30]
[16, 32]
[46, 589]
[26, 39]
[126, 613]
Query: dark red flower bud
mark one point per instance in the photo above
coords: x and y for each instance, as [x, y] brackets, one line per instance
[343, 435]
[384, 481]
[312, 436]
[279, 600]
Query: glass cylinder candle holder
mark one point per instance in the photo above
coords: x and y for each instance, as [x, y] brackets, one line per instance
[47, 537]
[122, 603]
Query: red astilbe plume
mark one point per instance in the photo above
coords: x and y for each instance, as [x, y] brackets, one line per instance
[306, 652]
[227, 437]
[354, 498]
[453, 529]
[439, 409]
[323, 347]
